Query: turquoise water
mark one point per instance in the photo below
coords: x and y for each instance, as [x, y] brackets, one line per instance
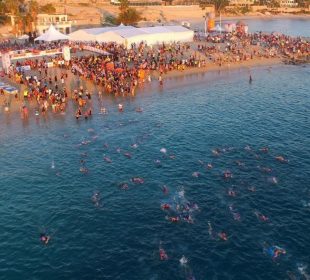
[119, 238]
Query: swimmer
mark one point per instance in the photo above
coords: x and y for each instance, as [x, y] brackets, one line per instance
[261, 217]
[235, 214]
[44, 238]
[273, 180]
[172, 156]
[137, 180]
[247, 148]
[196, 174]
[157, 163]
[139, 110]
[216, 152]
[106, 145]
[174, 219]
[163, 150]
[210, 229]
[107, 159]
[223, 236]
[118, 150]
[252, 189]
[264, 149]
[275, 251]
[127, 155]
[250, 79]
[162, 254]
[265, 169]
[231, 192]
[165, 189]
[134, 146]
[120, 108]
[281, 159]
[301, 268]
[183, 260]
[53, 164]
[96, 199]
[188, 218]
[209, 166]
[83, 170]
[239, 163]
[227, 174]
[165, 206]
[123, 186]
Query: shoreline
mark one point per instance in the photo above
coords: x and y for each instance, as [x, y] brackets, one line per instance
[171, 76]
[226, 67]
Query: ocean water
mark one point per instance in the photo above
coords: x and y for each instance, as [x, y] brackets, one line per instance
[297, 26]
[290, 26]
[42, 188]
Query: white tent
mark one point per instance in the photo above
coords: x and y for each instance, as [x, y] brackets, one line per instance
[23, 37]
[128, 35]
[100, 34]
[52, 35]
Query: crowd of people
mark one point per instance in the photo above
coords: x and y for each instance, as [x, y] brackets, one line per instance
[119, 71]
[235, 47]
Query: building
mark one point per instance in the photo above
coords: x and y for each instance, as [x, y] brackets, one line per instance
[288, 3]
[241, 2]
[60, 21]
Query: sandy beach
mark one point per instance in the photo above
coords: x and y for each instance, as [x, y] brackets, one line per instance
[73, 81]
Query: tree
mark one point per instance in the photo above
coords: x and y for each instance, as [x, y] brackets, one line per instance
[12, 6]
[48, 9]
[169, 2]
[124, 5]
[219, 5]
[128, 15]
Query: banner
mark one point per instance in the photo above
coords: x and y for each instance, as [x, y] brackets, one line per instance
[6, 62]
[93, 49]
[66, 53]
[23, 68]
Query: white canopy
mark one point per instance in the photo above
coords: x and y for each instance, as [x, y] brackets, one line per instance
[52, 35]
[128, 35]
[23, 37]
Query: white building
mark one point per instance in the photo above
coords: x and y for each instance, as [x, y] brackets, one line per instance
[288, 3]
[60, 21]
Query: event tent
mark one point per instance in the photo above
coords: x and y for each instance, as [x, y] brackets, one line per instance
[52, 35]
[23, 37]
[128, 35]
